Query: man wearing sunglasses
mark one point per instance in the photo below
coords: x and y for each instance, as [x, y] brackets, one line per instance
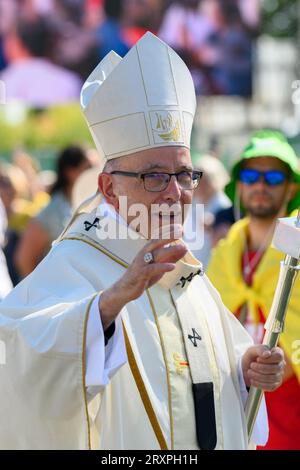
[244, 267]
[121, 342]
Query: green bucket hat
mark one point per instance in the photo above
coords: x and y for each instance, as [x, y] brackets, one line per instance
[267, 143]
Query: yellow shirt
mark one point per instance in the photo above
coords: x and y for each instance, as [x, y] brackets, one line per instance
[225, 272]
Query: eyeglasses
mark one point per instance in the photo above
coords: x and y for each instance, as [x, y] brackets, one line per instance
[156, 182]
[271, 177]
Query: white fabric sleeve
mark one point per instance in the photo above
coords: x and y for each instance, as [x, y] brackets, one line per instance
[102, 362]
[260, 432]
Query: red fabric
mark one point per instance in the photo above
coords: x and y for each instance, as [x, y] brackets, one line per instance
[283, 405]
[94, 4]
[133, 34]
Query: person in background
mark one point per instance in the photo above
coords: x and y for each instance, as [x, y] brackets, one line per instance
[22, 191]
[110, 34]
[227, 54]
[31, 76]
[23, 195]
[209, 198]
[224, 219]
[2, 59]
[31, 9]
[244, 267]
[93, 13]
[49, 223]
[251, 13]
[139, 17]
[8, 11]
[76, 48]
[186, 28]
[38, 194]
[16, 192]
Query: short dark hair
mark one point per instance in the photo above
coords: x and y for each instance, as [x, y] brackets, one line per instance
[38, 35]
[70, 157]
[230, 11]
[113, 8]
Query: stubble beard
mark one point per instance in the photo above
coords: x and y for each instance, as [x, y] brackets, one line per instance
[263, 212]
[268, 211]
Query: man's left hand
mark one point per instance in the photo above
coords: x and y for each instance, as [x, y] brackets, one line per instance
[263, 368]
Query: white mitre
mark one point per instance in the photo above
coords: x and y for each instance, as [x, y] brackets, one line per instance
[143, 101]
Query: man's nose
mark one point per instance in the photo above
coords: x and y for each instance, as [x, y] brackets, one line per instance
[260, 183]
[173, 190]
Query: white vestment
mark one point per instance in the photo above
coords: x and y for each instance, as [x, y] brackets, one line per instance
[146, 403]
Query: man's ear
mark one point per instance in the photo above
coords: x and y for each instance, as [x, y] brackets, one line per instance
[106, 187]
[293, 189]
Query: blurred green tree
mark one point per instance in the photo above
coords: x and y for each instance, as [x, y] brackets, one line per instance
[280, 18]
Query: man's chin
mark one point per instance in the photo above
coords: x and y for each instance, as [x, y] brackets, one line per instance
[263, 212]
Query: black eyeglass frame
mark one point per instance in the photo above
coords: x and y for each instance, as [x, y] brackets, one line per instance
[141, 176]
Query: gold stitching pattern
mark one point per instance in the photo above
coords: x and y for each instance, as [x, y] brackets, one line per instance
[180, 364]
[83, 362]
[143, 394]
[122, 263]
[167, 368]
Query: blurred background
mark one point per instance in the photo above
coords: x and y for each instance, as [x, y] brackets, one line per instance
[243, 56]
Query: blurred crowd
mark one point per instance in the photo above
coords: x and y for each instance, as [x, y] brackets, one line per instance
[35, 206]
[47, 48]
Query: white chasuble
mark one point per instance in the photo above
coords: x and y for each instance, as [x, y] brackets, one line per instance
[177, 334]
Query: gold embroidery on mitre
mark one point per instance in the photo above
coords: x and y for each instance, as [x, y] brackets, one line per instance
[180, 363]
[167, 128]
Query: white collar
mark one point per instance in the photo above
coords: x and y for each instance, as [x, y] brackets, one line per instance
[107, 209]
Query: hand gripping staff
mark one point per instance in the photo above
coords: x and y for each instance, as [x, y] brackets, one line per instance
[286, 239]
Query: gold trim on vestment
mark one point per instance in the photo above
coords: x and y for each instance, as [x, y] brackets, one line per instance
[143, 394]
[84, 369]
[100, 248]
[167, 368]
[125, 265]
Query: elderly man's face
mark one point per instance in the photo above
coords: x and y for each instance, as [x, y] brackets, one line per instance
[160, 160]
